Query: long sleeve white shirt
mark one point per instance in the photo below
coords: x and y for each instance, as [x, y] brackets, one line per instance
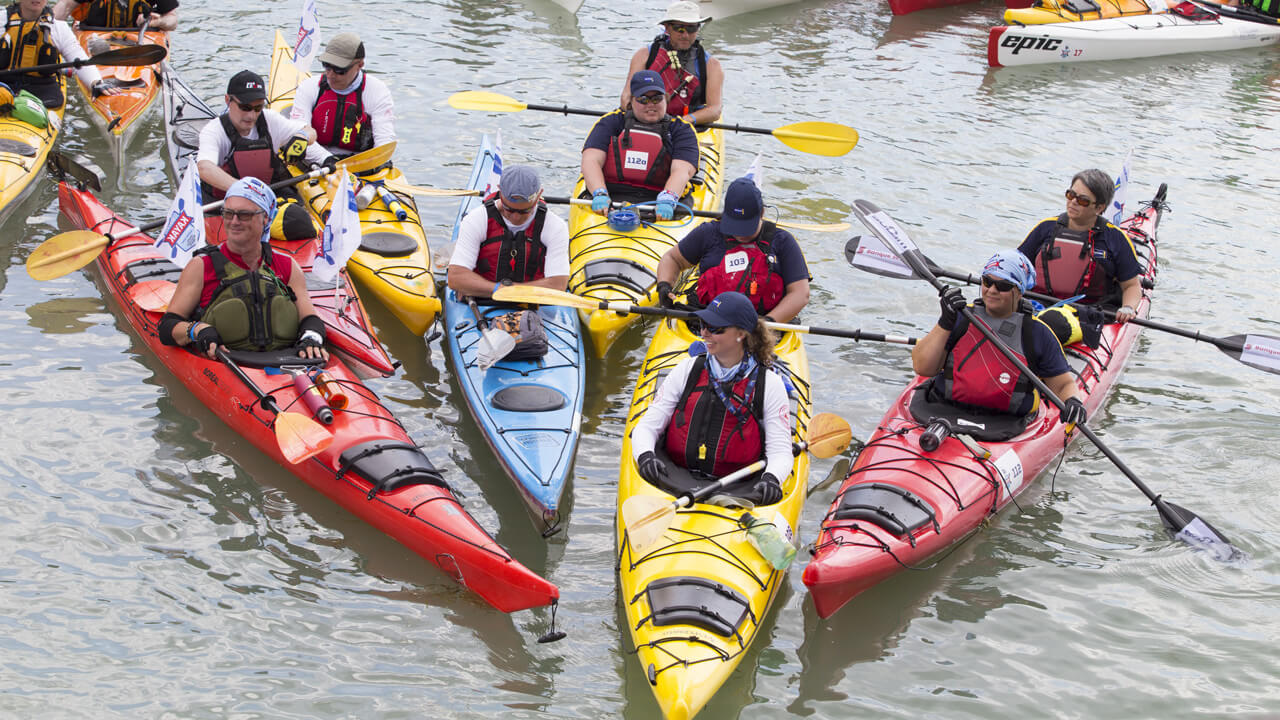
[377, 100]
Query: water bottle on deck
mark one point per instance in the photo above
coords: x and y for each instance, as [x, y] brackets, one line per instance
[768, 539]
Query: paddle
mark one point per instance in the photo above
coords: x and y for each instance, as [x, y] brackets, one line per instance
[70, 251]
[494, 344]
[427, 191]
[647, 517]
[1239, 13]
[123, 57]
[298, 436]
[816, 138]
[829, 227]
[535, 295]
[1180, 522]
[1256, 351]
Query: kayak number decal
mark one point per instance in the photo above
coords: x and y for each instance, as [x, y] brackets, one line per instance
[1009, 465]
[736, 262]
[637, 160]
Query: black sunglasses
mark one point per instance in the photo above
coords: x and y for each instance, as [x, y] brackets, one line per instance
[246, 107]
[336, 69]
[683, 28]
[1001, 285]
[241, 215]
[714, 330]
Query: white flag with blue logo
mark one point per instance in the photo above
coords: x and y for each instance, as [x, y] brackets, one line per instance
[495, 175]
[341, 234]
[307, 44]
[183, 232]
[1116, 212]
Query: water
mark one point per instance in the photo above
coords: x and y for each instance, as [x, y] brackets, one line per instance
[158, 566]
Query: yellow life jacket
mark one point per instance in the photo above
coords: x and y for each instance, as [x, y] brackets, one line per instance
[25, 44]
[110, 13]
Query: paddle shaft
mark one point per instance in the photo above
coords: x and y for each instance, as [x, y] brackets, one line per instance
[267, 401]
[565, 109]
[124, 57]
[836, 227]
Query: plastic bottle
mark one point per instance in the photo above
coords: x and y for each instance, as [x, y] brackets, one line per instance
[366, 195]
[330, 390]
[768, 540]
[312, 398]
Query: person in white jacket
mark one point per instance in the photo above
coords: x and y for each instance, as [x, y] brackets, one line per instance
[350, 110]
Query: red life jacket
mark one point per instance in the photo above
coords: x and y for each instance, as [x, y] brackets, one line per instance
[1066, 268]
[975, 372]
[685, 91]
[248, 158]
[750, 268]
[340, 120]
[704, 437]
[638, 156]
[504, 255]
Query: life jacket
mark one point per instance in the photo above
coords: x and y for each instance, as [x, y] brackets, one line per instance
[504, 255]
[638, 155]
[1270, 7]
[26, 44]
[340, 120]
[1066, 268]
[685, 89]
[750, 268]
[111, 13]
[251, 309]
[976, 374]
[249, 158]
[704, 437]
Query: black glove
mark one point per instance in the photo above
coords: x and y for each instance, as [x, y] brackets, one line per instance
[768, 489]
[951, 300]
[664, 295]
[651, 468]
[1073, 412]
[330, 162]
[207, 338]
[295, 149]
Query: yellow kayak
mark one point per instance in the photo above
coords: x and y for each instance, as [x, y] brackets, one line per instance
[1055, 11]
[23, 149]
[117, 115]
[608, 264]
[394, 260]
[694, 601]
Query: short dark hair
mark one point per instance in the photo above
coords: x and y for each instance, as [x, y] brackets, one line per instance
[1100, 185]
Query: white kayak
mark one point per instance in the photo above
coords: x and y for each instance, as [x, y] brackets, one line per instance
[1124, 38]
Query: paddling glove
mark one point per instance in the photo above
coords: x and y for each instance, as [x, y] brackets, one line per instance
[600, 201]
[664, 295]
[651, 468]
[294, 150]
[666, 208]
[207, 338]
[330, 162]
[1073, 412]
[768, 489]
[311, 332]
[952, 301]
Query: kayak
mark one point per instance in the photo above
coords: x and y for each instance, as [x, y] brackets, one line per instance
[530, 411]
[117, 115]
[619, 265]
[903, 7]
[1056, 11]
[901, 505]
[1124, 38]
[394, 260]
[23, 150]
[721, 9]
[184, 116]
[372, 467]
[695, 600]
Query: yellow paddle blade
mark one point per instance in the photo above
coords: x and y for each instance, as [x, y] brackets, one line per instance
[426, 191]
[816, 227]
[543, 296]
[64, 253]
[829, 435]
[485, 101]
[369, 159]
[153, 295]
[818, 138]
[300, 437]
[646, 518]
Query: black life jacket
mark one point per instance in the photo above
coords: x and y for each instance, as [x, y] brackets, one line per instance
[504, 255]
[704, 437]
[111, 13]
[249, 158]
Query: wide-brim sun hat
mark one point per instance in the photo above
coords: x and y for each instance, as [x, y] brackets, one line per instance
[684, 12]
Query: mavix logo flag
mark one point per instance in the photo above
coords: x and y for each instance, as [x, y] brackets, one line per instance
[307, 46]
[183, 232]
[341, 233]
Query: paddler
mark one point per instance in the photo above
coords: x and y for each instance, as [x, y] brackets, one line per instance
[970, 373]
[33, 37]
[742, 252]
[694, 80]
[349, 110]
[241, 294]
[245, 141]
[1080, 253]
[640, 154]
[1267, 7]
[157, 14]
[721, 410]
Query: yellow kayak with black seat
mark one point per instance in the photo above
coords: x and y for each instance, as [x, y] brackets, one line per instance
[27, 133]
[394, 260]
[1042, 12]
[695, 599]
[615, 263]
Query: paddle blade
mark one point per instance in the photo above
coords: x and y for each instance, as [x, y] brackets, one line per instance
[829, 435]
[64, 253]
[1256, 351]
[1193, 530]
[63, 168]
[485, 101]
[300, 437]
[494, 345]
[535, 295]
[130, 56]
[866, 252]
[152, 295]
[646, 518]
[818, 138]
[369, 159]
[815, 227]
[428, 192]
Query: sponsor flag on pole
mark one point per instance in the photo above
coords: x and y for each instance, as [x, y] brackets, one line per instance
[183, 232]
[341, 234]
[1116, 212]
[307, 45]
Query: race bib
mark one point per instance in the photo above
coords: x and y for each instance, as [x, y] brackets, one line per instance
[637, 160]
[736, 262]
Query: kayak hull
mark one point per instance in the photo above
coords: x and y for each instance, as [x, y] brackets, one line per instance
[903, 7]
[23, 151]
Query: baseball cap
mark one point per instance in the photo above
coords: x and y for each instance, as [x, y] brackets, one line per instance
[743, 206]
[247, 85]
[344, 49]
[729, 309]
[519, 183]
[645, 82]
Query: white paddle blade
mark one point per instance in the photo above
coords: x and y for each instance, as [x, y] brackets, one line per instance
[866, 252]
[886, 228]
[494, 345]
[645, 518]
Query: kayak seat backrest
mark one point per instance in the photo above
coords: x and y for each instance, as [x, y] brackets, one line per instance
[154, 269]
[528, 399]
[695, 601]
[17, 147]
[272, 359]
[390, 465]
[187, 135]
[627, 273]
[388, 244]
[895, 509]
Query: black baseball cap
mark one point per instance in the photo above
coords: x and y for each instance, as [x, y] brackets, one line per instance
[247, 86]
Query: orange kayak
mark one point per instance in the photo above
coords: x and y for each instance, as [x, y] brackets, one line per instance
[117, 115]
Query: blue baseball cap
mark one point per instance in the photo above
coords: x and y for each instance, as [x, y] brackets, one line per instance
[743, 206]
[1012, 266]
[729, 309]
[645, 82]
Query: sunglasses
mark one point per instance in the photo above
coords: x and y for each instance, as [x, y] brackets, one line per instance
[651, 99]
[337, 70]
[241, 215]
[1001, 285]
[683, 28]
[246, 107]
[1077, 198]
[714, 330]
[521, 212]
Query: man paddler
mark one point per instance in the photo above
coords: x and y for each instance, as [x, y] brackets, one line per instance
[349, 110]
[694, 80]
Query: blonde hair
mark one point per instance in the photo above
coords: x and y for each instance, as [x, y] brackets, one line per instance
[759, 344]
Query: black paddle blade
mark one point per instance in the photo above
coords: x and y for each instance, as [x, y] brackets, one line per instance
[131, 56]
[1195, 531]
[64, 168]
[1257, 351]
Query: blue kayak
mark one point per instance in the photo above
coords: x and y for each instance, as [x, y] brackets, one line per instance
[529, 410]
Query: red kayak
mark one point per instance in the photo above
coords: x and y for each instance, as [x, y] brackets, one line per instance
[901, 505]
[372, 467]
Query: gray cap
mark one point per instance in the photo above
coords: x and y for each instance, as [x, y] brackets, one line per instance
[344, 49]
[519, 183]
